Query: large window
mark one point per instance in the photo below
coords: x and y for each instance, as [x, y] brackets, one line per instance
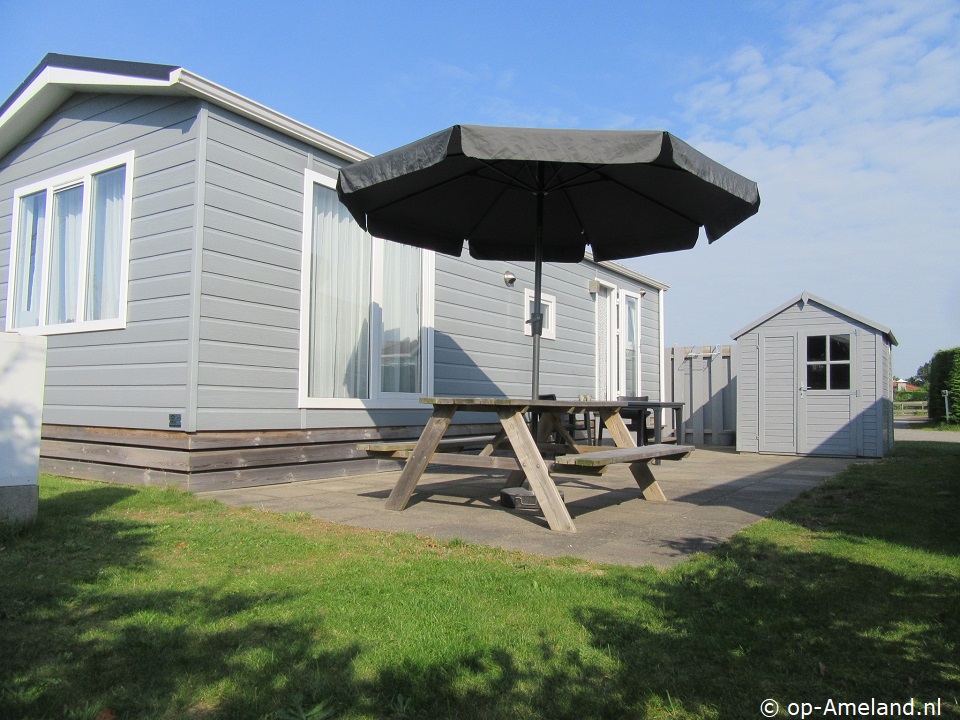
[364, 321]
[70, 250]
[828, 362]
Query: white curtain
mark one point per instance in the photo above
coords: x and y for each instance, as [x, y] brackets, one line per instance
[103, 255]
[65, 255]
[26, 303]
[340, 302]
[632, 347]
[400, 355]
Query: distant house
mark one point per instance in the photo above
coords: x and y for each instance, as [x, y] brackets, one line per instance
[814, 379]
[215, 317]
[904, 386]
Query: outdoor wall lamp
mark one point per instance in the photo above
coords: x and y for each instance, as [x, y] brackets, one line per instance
[509, 278]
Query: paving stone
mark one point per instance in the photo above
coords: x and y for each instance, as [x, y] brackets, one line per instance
[712, 494]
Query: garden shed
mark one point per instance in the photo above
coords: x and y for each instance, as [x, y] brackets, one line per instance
[814, 379]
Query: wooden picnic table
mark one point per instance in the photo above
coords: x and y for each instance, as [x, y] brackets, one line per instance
[526, 460]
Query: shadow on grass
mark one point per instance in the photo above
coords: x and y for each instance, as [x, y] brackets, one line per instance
[712, 638]
[69, 652]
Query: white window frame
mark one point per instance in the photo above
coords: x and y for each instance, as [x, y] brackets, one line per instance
[622, 342]
[81, 176]
[549, 322]
[611, 369]
[378, 399]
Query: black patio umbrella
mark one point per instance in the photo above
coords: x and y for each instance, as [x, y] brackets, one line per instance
[538, 195]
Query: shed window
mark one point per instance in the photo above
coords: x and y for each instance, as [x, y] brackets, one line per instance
[70, 250]
[828, 362]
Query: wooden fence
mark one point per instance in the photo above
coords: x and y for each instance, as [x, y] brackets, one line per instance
[702, 377]
[910, 408]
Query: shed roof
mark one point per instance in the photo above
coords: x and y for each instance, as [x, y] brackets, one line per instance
[804, 298]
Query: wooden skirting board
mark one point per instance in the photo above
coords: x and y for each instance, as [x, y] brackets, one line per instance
[218, 460]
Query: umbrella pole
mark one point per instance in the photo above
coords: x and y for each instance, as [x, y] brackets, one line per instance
[537, 316]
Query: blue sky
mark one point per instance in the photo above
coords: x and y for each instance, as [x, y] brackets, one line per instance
[846, 114]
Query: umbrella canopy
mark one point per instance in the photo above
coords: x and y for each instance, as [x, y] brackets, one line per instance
[531, 194]
[624, 193]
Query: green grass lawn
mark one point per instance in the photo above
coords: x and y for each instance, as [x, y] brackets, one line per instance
[941, 426]
[146, 603]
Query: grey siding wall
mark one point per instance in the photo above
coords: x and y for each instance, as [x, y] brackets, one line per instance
[247, 375]
[480, 346]
[132, 377]
[250, 288]
[747, 384]
[214, 292]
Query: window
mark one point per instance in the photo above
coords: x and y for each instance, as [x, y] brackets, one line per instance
[70, 250]
[366, 302]
[630, 343]
[548, 306]
[828, 362]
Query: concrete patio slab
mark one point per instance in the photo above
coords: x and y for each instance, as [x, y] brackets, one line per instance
[711, 495]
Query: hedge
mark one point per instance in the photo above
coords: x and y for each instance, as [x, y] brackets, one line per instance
[910, 395]
[944, 375]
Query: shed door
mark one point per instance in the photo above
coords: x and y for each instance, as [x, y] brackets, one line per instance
[828, 394]
[778, 394]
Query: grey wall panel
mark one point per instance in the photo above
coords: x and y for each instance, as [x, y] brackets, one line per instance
[129, 377]
[481, 347]
[245, 398]
[225, 352]
[97, 375]
[221, 308]
[747, 388]
[252, 249]
[132, 354]
[262, 274]
[250, 293]
[243, 333]
[240, 376]
[150, 123]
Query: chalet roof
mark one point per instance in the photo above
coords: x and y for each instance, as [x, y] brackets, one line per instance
[59, 76]
[804, 298]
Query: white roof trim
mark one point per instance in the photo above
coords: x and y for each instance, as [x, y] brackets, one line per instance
[53, 85]
[806, 297]
[221, 96]
[625, 271]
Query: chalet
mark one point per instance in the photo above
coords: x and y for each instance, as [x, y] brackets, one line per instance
[213, 315]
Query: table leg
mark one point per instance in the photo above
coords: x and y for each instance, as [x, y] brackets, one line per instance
[497, 441]
[518, 477]
[535, 469]
[648, 484]
[417, 462]
[640, 470]
[618, 429]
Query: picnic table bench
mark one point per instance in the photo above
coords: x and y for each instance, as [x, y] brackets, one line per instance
[525, 460]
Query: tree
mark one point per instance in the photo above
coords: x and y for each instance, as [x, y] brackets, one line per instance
[922, 376]
[945, 375]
